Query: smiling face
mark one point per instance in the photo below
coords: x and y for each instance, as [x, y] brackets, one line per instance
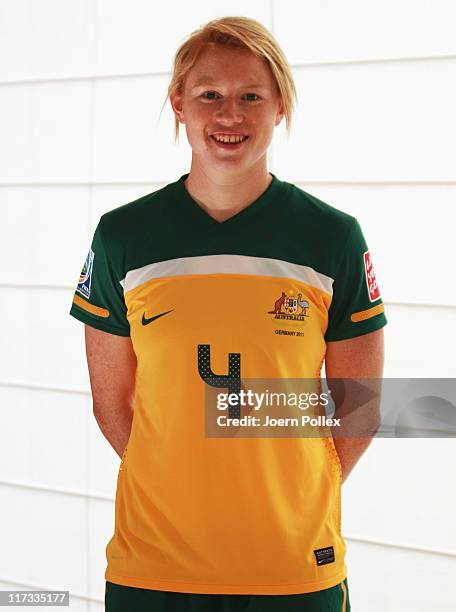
[229, 92]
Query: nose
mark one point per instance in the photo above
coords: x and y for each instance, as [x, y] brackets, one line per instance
[229, 111]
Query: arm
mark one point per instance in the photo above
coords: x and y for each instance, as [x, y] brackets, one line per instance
[112, 367]
[356, 358]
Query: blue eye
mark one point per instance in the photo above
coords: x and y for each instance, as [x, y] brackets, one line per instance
[203, 95]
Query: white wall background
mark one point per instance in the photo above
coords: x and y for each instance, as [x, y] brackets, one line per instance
[81, 87]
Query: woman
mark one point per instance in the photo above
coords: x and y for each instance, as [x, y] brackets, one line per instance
[226, 274]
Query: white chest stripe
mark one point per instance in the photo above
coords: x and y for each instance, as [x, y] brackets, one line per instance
[227, 264]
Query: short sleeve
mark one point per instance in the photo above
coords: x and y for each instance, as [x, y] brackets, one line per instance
[357, 307]
[98, 299]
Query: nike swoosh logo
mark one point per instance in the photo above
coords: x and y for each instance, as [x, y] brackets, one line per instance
[146, 321]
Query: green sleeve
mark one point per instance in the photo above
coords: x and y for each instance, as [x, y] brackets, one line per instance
[357, 307]
[98, 299]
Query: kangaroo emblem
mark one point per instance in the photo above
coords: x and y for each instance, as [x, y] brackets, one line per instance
[278, 304]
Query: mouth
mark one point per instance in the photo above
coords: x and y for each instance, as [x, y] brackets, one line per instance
[227, 144]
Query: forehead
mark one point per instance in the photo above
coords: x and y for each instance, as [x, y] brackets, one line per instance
[207, 79]
[216, 65]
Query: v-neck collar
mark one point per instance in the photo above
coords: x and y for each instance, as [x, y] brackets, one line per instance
[188, 205]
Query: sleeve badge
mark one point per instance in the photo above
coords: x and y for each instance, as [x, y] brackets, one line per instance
[372, 286]
[85, 278]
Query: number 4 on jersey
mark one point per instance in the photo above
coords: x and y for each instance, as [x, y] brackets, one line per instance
[230, 381]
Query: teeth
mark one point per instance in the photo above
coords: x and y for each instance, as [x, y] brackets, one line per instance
[229, 138]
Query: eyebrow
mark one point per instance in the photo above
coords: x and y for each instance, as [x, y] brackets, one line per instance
[207, 80]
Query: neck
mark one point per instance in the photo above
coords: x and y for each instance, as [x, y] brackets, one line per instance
[222, 195]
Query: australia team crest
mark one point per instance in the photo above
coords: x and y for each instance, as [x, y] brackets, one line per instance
[85, 278]
[290, 306]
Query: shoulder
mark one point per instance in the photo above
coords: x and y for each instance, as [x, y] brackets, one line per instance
[317, 220]
[129, 218]
[319, 211]
[129, 233]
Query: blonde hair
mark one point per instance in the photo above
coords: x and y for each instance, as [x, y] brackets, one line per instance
[235, 32]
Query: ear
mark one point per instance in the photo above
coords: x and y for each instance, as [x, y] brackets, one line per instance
[176, 104]
[280, 113]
